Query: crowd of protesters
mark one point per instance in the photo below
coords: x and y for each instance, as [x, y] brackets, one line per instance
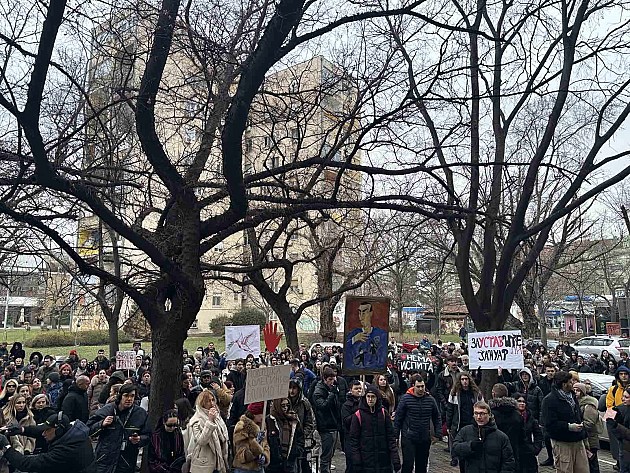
[383, 423]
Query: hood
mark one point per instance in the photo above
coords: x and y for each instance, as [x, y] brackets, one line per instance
[588, 400]
[503, 404]
[529, 372]
[250, 428]
[379, 402]
[118, 375]
[623, 368]
[486, 429]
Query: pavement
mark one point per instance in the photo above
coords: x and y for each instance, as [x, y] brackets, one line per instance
[440, 461]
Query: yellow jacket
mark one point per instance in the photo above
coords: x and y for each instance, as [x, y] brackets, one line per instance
[613, 396]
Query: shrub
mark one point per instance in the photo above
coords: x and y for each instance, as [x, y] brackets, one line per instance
[85, 337]
[249, 316]
[217, 325]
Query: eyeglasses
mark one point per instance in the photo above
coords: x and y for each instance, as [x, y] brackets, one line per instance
[480, 414]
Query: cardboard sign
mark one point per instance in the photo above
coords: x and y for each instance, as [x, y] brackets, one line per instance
[242, 340]
[264, 384]
[613, 328]
[491, 350]
[366, 335]
[410, 362]
[125, 360]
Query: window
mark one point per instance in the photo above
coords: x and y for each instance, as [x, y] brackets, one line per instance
[601, 342]
[295, 134]
[249, 145]
[249, 169]
[584, 342]
[194, 325]
[216, 300]
[267, 141]
[273, 162]
[218, 247]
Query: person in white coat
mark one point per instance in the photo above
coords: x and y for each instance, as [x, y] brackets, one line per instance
[206, 437]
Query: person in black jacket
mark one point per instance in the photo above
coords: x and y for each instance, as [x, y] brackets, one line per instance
[545, 383]
[533, 437]
[69, 447]
[121, 428]
[327, 414]
[75, 404]
[40, 407]
[166, 450]
[412, 423]
[563, 423]
[529, 388]
[347, 411]
[237, 376]
[371, 440]
[482, 447]
[507, 418]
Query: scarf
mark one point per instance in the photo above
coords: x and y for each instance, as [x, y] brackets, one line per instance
[567, 397]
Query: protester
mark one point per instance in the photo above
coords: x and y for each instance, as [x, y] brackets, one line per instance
[482, 447]
[327, 413]
[532, 445]
[285, 437]
[75, 404]
[207, 437]
[563, 422]
[459, 409]
[251, 449]
[507, 419]
[592, 422]
[416, 410]
[69, 447]
[619, 426]
[120, 428]
[371, 439]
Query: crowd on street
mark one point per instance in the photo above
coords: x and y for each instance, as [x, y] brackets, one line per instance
[82, 415]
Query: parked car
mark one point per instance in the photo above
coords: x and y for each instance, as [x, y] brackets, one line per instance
[324, 345]
[598, 343]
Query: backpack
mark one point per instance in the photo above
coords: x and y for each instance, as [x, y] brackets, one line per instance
[358, 414]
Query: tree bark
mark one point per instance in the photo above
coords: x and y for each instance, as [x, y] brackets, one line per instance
[289, 325]
[168, 346]
[112, 331]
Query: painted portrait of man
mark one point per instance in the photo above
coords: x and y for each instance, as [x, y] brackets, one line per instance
[367, 332]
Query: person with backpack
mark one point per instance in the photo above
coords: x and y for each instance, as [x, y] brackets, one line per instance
[353, 397]
[592, 422]
[613, 399]
[371, 439]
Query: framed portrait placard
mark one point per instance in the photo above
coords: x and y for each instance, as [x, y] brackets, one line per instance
[366, 335]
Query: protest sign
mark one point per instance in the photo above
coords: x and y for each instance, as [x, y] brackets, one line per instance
[410, 362]
[491, 350]
[125, 360]
[264, 384]
[242, 340]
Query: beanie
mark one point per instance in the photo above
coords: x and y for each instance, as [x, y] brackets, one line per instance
[53, 377]
[255, 408]
[581, 387]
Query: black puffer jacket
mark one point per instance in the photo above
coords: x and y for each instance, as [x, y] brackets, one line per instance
[72, 452]
[496, 455]
[326, 405]
[372, 444]
[75, 404]
[510, 422]
[558, 414]
[414, 415]
[534, 393]
[109, 456]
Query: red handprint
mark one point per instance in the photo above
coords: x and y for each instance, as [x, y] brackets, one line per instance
[271, 335]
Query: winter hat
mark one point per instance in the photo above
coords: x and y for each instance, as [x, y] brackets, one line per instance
[73, 352]
[374, 390]
[119, 375]
[622, 368]
[581, 387]
[53, 377]
[255, 408]
[297, 381]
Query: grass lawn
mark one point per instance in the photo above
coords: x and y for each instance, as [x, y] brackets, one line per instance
[191, 343]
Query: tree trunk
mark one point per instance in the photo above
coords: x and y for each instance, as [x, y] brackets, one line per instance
[400, 323]
[112, 330]
[166, 367]
[327, 328]
[530, 321]
[289, 325]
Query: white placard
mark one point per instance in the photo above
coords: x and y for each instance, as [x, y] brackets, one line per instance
[242, 340]
[264, 384]
[125, 360]
[491, 350]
